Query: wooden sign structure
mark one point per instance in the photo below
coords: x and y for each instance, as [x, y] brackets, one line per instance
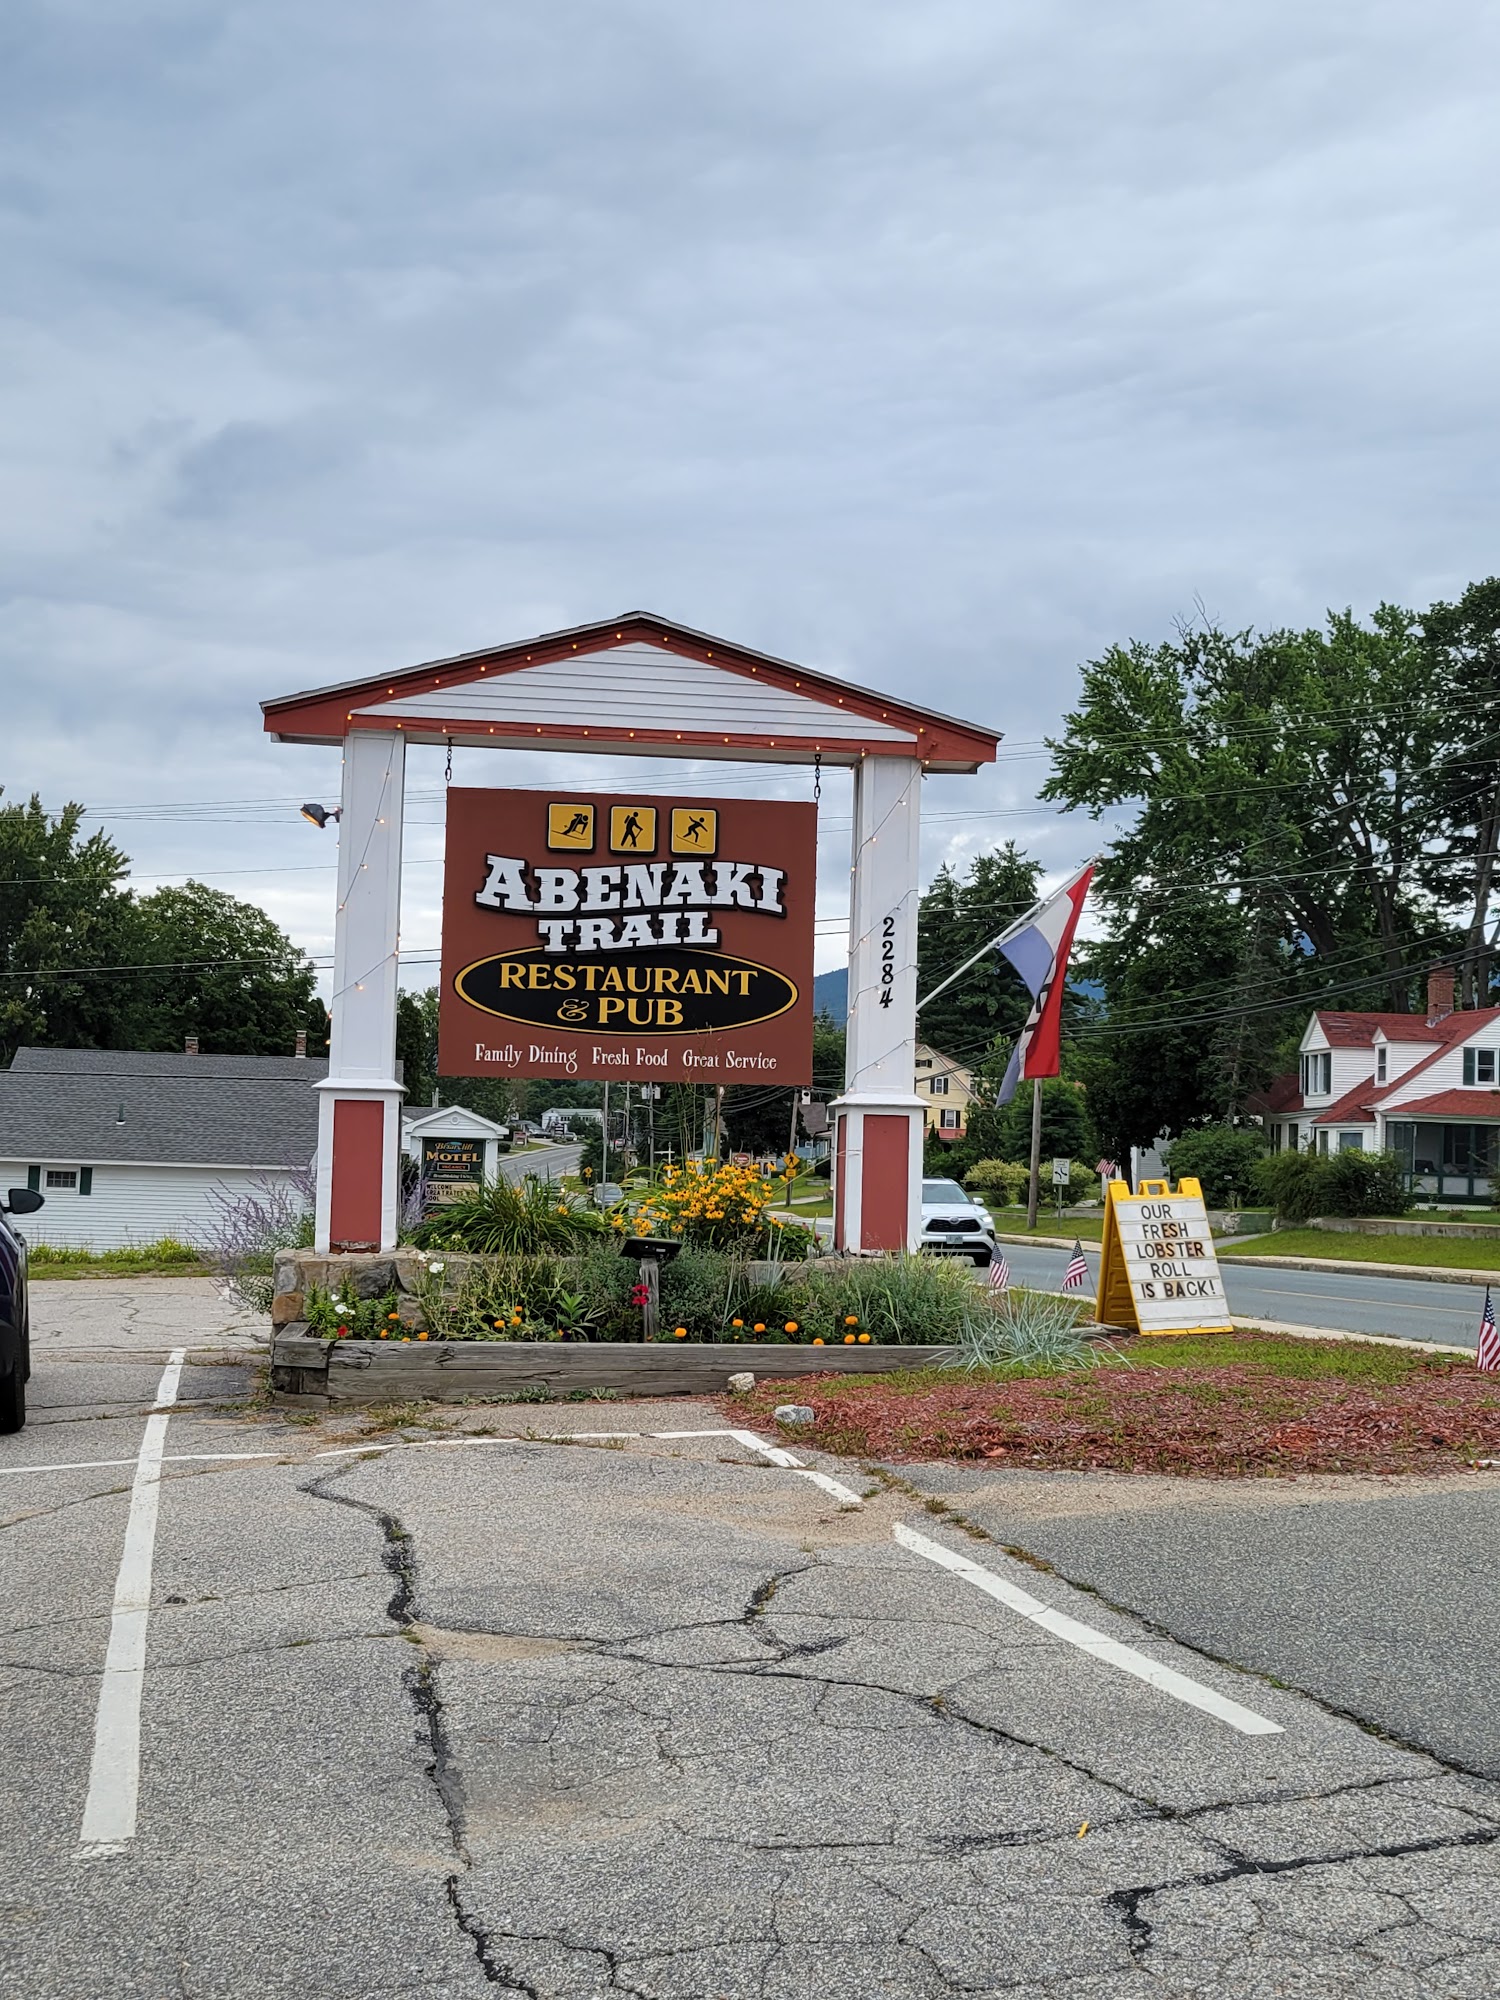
[1159, 1272]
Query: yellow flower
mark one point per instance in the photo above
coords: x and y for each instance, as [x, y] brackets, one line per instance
[863, 1339]
[760, 1326]
[423, 1334]
[817, 1340]
[851, 1319]
[790, 1327]
[736, 1322]
[848, 1340]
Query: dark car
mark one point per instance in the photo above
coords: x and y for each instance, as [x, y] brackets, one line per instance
[15, 1328]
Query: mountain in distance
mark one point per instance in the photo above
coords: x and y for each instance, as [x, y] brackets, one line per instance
[830, 992]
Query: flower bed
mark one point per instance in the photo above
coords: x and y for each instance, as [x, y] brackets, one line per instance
[1238, 1406]
[706, 1296]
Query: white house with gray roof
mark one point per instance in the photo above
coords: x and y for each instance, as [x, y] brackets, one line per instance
[129, 1147]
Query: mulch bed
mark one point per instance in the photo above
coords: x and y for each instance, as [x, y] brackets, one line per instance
[1203, 1421]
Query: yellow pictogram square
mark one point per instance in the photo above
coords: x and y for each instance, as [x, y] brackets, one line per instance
[695, 830]
[570, 826]
[632, 829]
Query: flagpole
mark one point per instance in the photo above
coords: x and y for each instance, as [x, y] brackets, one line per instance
[993, 945]
[1033, 1193]
[1004, 937]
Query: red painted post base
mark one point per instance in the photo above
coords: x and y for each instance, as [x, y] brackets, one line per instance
[877, 1155]
[354, 1202]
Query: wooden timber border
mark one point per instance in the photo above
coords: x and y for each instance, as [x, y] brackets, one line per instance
[326, 1374]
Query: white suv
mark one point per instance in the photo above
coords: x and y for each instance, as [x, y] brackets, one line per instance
[954, 1224]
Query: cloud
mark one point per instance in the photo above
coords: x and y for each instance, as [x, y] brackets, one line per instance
[938, 346]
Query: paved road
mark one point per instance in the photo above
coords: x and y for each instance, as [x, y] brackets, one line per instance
[452, 1712]
[549, 1162]
[1406, 1308]
[1376, 1595]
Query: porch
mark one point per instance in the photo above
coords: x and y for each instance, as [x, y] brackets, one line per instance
[1446, 1161]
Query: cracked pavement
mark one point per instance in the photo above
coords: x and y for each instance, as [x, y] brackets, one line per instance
[651, 1717]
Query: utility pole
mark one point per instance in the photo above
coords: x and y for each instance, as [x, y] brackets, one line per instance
[1036, 1152]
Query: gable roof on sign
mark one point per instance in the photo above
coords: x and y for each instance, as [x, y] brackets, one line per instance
[100, 1107]
[636, 685]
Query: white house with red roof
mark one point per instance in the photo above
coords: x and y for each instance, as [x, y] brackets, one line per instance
[1425, 1087]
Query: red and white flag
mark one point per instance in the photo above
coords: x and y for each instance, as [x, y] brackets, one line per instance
[1487, 1355]
[999, 1272]
[1077, 1274]
[1039, 952]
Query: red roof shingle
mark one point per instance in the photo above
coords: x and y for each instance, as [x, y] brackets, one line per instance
[1467, 1104]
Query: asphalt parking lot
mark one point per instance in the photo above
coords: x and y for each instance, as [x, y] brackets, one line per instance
[382, 1711]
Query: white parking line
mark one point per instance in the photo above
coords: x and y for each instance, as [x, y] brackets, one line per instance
[109, 1812]
[845, 1495]
[103, 1464]
[1111, 1651]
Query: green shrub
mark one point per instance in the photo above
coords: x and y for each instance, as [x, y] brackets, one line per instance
[511, 1220]
[1029, 1330]
[695, 1290]
[1290, 1183]
[1303, 1185]
[1363, 1184]
[1222, 1158]
[1003, 1181]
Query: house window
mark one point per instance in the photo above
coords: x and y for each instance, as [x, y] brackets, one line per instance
[62, 1177]
[948, 1121]
[1317, 1073]
[1322, 1138]
[1380, 1056]
[938, 1085]
[924, 1062]
[1351, 1142]
[1479, 1066]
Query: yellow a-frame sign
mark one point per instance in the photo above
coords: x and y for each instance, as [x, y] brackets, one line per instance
[1159, 1271]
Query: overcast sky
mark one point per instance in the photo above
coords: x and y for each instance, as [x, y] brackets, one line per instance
[937, 344]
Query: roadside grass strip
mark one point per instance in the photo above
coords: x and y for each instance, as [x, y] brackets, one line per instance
[109, 1812]
[1112, 1652]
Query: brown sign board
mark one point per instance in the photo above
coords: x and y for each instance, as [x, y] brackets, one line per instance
[617, 936]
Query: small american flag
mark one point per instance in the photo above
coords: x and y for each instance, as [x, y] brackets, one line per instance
[1077, 1274]
[1488, 1355]
[999, 1272]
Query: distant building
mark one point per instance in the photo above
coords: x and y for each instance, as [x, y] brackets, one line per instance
[947, 1090]
[1425, 1087]
[129, 1147]
[558, 1123]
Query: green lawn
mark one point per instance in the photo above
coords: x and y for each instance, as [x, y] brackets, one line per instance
[166, 1258]
[1435, 1253]
[1012, 1222]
